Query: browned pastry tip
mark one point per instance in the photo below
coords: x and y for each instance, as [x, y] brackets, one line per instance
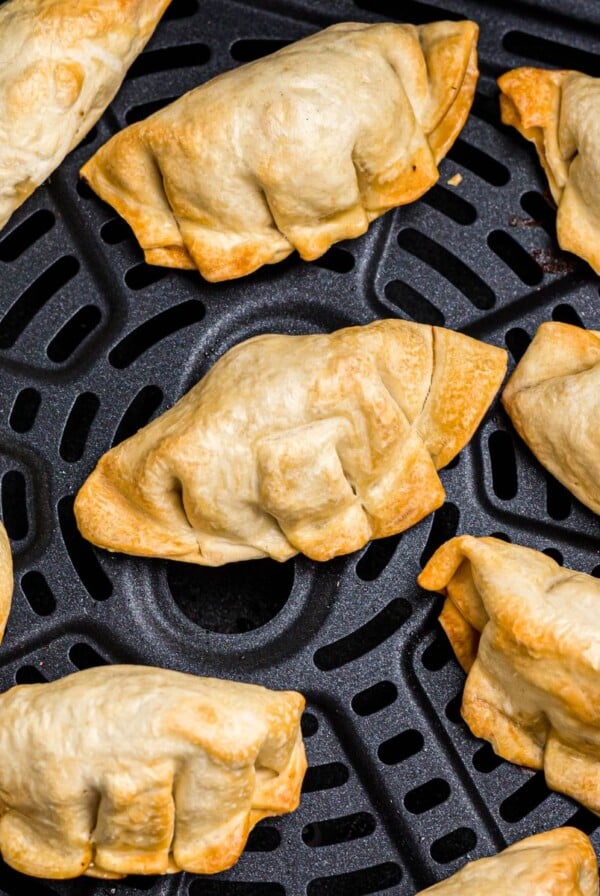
[559, 112]
[561, 862]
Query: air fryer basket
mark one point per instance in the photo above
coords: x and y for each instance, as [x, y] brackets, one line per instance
[94, 343]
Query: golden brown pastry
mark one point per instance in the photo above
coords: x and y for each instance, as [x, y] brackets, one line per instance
[553, 400]
[295, 151]
[6, 579]
[290, 444]
[561, 862]
[527, 632]
[61, 63]
[132, 770]
[559, 111]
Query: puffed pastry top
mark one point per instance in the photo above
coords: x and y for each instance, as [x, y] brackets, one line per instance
[290, 444]
[133, 770]
[297, 150]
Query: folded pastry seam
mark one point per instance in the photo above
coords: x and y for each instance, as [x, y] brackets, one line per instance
[553, 401]
[133, 770]
[272, 157]
[526, 632]
[311, 444]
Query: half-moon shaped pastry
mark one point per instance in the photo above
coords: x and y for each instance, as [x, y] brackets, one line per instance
[527, 631]
[561, 862]
[133, 770]
[294, 151]
[6, 579]
[311, 444]
[553, 400]
[559, 111]
[61, 63]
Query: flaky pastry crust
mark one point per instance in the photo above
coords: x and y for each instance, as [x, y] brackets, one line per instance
[290, 444]
[553, 400]
[133, 770]
[559, 111]
[61, 63]
[294, 151]
[561, 862]
[527, 632]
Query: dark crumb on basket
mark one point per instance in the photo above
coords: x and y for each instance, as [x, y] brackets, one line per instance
[553, 264]
[515, 221]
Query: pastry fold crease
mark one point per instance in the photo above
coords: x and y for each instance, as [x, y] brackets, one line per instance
[298, 150]
[553, 400]
[133, 770]
[561, 862]
[559, 112]
[527, 632]
[311, 444]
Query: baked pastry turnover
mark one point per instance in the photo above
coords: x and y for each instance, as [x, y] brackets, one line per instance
[61, 63]
[561, 862]
[6, 579]
[559, 111]
[311, 444]
[553, 400]
[294, 151]
[132, 770]
[527, 632]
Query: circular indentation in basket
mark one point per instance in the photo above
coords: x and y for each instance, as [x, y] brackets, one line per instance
[232, 599]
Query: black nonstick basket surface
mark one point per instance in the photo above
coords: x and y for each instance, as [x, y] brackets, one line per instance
[94, 343]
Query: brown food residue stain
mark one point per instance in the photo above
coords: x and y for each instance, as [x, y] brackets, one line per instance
[515, 221]
[553, 264]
